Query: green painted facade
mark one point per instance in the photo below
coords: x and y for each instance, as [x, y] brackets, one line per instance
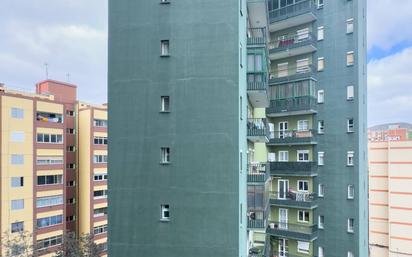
[205, 77]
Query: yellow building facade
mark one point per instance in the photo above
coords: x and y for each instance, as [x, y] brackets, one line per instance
[40, 162]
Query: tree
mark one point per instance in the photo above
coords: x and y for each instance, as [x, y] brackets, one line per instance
[78, 247]
[18, 244]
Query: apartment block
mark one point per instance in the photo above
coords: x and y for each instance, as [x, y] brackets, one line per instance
[390, 198]
[238, 128]
[92, 188]
[39, 163]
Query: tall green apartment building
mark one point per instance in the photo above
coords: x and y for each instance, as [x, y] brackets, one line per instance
[238, 128]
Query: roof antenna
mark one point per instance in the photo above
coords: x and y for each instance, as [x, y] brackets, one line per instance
[68, 77]
[46, 65]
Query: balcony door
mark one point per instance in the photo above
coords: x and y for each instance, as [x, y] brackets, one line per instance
[283, 218]
[283, 129]
[283, 188]
[283, 247]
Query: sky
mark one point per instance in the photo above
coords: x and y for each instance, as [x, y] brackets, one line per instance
[71, 37]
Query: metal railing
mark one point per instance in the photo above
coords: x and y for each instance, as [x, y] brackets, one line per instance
[257, 86]
[257, 172]
[292, 10]
[293, 168]
[297, 196]
[256, 36]
[290, 74]
[300, 103]
[257, 127]
[292, 227]
[291, 41]
[286, 134]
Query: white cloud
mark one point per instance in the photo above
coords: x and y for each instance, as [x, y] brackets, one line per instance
[389, 23]
[390, 88]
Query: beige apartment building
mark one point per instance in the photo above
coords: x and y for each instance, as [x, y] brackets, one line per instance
[390, 199]
[53, 166]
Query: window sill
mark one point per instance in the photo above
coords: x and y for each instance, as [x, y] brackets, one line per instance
[166, 2]
[351, 232]
[164, 220]
[165, 55]
[165, 163]
[164, 111]
[350, 165]
[350, 132]
[321, 133]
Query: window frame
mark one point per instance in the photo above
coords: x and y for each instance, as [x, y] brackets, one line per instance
[321, 33]
[350, 158]
[165, 155]
[350, 26]
[351, 225]
[321, 190]
[304, 152]
[163, 104]
[304, 212]
[321, 60]
[321, 96]
[321, 221]
[321, 127]
[165, 212]
[350, 56]
[351, 192]
[321, 156]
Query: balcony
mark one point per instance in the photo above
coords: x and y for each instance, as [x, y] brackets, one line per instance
[292, 45]
[293, 231]
[256, 37]
[292, 15]
[290, 75]
[258, 94]
[292, 106]
[257, 130]
[302, 200]
[256, 224]
[307, 169]
[257, 12]
[257, 173]
[292, 137]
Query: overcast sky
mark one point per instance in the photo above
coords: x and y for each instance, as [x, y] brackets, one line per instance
[71, 36]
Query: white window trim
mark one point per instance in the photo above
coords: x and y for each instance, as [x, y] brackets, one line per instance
[302, 152]
[163, 210]
[323, 127]
[321, 96]
[303, 250]
[350, 154]
[321, 31]
[321, 193]
[287, 155]
[303, 125]
[303, 181]
[321, 59]
[320, 224]
[348, 129]
[351, 230]
[350, 21]
[353, 58]
[350, 89]
[303, 221]
[351, 197]
[323, 158]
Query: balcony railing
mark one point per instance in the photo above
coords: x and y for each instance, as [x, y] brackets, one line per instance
[257, 223]
[294, 104]
[290, 11]
[257, 128]
[291, 230]
[257, 85]
[293, 168]
[256, 36]
[289, 137]
[292, 74]
[295, 199]
[257, 173]
[291, 41]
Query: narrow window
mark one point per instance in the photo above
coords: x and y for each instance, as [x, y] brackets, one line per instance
[351, 225]
[241, 108]
[350, 157]
[241, 7]
[321, 158]
[283, 156]
[350, 254]
[303, 155]
[321, 190]
[321, 127]
[349, 26]
[241, 161]
[17, 136]
[17, 204]
[350, 125]
[321, 221]
[165, 103]
[351, 192]
[320, 252]
[165, 155]
[303, 216]
[303, 125]
[17, 113]
[321, 63]
[17, 181]
[164, 212]
[321, 33]
[17, 227]
[350, 93]
[303, 185]
[321, 96]
[164, 46]
[241, 213]
[241, 55]
[350, 58]
[303, 247]
[17, 159]
[320, 3]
